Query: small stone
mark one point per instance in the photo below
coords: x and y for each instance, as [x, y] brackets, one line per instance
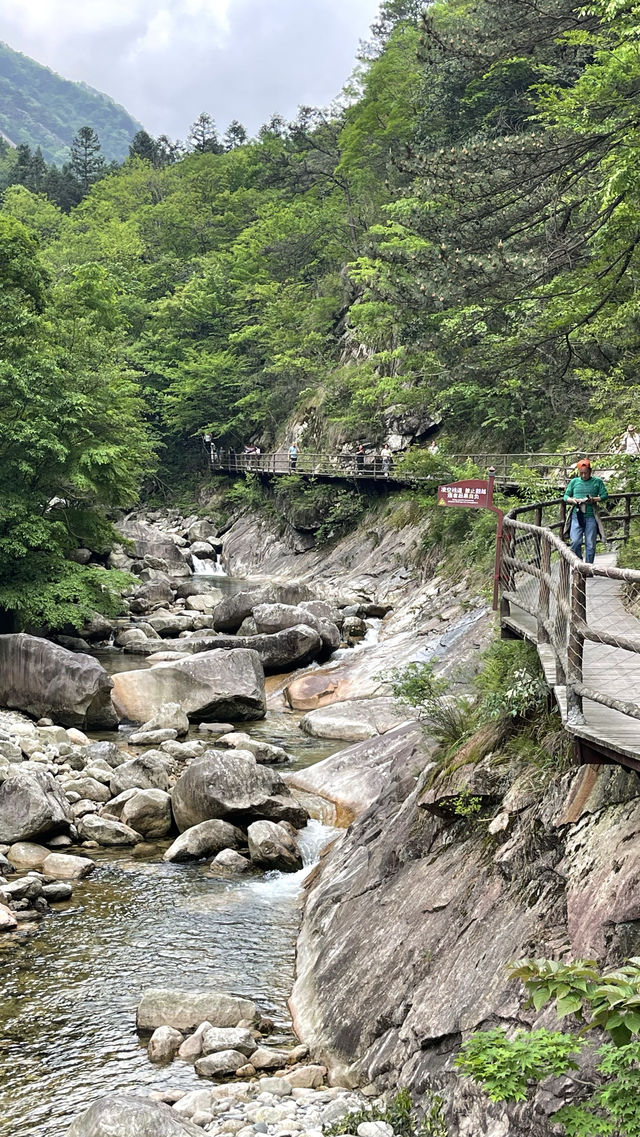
[499, 824]
[307, 1077]
[248, 1071]
[192, 1046]
[223, 1062]
[375, 1129]
[57, 892]
[202, 1118]
[279, 1087]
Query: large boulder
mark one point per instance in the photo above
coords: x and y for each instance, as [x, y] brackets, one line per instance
[282, 651]
[148, 772]
[204, 840]
[125, 1115]
[148, 812]
[270, 618]
[149, 541]
[185, 1010]
[271, 846]
[230, 784]
[31, 805]
[230, 613]
[46, 680]
[223, 685]
[106, 831]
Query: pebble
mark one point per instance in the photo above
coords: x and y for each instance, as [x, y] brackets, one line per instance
[269, 1107]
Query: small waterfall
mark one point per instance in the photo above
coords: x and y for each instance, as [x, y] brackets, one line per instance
[276, 886]
[206, 567]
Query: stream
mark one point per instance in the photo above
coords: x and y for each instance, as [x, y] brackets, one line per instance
[70, 989]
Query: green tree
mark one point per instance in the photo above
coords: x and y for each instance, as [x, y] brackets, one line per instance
[73, 442]
[87, 163]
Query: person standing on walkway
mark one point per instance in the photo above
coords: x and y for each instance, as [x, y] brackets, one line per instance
[360, 459]
[385, 454]
[293, 456]
[584, 493]
[630, 442]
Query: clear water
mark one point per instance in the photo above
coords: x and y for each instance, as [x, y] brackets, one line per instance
[69, 991]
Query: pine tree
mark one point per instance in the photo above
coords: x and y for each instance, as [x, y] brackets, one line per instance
[203, 136]
[87, 162]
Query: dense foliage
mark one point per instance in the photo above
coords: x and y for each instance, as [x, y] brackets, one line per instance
[605, 1097]
[456, 240]
[41, 109]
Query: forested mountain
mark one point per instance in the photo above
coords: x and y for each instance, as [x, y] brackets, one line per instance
[39, 108]
[458, 236]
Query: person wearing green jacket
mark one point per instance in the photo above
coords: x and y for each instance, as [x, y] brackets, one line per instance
[582, 492]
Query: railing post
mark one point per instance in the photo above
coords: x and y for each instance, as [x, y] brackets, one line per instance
[544, 593]
[627, 516]
[575, 652]
[560, 628]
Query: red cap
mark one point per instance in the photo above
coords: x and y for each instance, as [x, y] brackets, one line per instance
[584, 464]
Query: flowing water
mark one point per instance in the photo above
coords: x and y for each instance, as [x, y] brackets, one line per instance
[69, 990]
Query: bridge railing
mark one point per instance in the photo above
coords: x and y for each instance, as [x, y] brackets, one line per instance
[309, 462]
[550, 466]
[543, 579]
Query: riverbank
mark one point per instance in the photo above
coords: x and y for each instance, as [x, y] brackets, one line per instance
[140, 883]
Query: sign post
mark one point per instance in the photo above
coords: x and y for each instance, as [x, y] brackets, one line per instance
[476, 493]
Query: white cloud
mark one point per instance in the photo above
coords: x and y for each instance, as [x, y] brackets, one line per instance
[167, 60]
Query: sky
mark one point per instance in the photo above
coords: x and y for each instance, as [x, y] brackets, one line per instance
[166, 61]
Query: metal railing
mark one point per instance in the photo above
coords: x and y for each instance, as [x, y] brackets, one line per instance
[543, 579]
[556, 468]
[312, 463]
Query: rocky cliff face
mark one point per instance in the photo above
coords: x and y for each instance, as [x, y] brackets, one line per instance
[414, 916]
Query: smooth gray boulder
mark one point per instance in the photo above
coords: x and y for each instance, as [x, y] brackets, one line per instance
[218, 1038]
[148, 812]
[64, 866]
[170, 716]
[148, 772]
[280, 651]
[230, 784]
[164, 1043]
[170, 624]
[205, 840]
[211, 684]
[230, 613]
[106, 831]
[355, 719]
[44, 680]
[220, 1064]
[107, 751]
[125, 1115]
[185, 1010]
[271, 618]
[88, 788]
[31, 805]
[272, 847]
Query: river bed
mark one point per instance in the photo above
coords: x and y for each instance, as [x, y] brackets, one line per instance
[69, 990]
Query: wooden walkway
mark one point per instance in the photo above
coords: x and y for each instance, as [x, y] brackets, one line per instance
[602, 733]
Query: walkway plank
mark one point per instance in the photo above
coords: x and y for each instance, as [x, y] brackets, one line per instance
[613, 671]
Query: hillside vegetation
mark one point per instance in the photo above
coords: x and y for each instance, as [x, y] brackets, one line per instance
[39, 108]
[457, 238]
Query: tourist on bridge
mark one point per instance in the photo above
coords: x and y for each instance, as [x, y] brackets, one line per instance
[584, 493]
[360, 459]
[293, 456]
[630, 442]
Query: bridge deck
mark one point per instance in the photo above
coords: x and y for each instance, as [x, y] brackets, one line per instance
[611, 670]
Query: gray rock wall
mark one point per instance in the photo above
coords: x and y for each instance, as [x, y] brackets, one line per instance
[415, 915]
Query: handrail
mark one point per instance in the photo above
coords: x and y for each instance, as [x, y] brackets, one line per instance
[541, 577]
[553, 467]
